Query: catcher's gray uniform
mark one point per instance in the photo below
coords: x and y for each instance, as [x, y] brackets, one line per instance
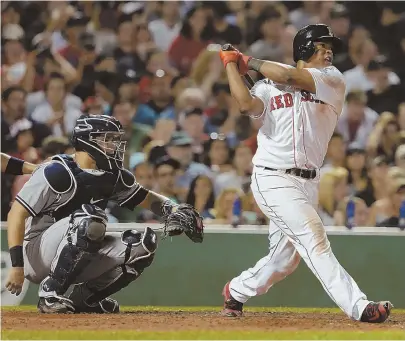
[108, 261]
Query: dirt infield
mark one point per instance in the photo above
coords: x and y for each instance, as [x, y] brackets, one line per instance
[185, 320]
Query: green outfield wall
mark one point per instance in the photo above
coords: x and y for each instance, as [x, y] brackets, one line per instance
[188, 274]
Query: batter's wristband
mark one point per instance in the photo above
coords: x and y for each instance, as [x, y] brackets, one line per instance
[16, 255]
[14, 166]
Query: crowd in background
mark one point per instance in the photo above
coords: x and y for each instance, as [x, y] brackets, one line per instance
[154, 65]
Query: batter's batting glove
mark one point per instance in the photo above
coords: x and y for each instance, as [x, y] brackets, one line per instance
[229, 57]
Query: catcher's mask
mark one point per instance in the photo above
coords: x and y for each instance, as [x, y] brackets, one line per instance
[101, 137]
[303, 44]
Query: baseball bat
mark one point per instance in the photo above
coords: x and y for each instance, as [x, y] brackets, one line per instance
[247, 78]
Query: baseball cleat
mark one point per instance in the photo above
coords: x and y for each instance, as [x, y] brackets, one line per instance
[232, 308]
[55, 305]
[105, 306]
[376, 312]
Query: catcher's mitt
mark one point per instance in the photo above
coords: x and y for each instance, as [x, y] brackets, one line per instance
[184, 218]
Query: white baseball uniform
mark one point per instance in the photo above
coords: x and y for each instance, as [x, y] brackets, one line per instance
[296, 130]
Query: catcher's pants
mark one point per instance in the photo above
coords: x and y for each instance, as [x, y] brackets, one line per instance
[295, 232]
[44, 249]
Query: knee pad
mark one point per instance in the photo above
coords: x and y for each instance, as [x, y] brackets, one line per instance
[90, 223]
[141, 248]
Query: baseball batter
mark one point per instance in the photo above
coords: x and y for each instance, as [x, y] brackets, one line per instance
[57, 225]
[299, 107]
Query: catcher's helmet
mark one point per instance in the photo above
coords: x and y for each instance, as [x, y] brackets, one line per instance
[101, 137]
[303, 45]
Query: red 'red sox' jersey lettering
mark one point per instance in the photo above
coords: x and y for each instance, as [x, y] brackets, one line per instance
[281, 101]
[287, 101]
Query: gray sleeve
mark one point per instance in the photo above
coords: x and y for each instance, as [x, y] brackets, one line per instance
[36, 195]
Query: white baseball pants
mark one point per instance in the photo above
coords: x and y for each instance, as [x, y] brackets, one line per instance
[295, 232]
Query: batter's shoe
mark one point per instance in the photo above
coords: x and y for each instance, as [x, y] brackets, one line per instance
[232, 308]
[105, 306]
[376, 312]
[55, 305]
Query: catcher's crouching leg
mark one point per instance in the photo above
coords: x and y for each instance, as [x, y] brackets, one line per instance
[92, 296]
[85, 235]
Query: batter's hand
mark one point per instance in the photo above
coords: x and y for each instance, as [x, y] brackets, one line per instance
[15, 280]
[229, 57]
[243, 64]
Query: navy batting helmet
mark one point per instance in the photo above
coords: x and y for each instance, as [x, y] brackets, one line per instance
[303, 45]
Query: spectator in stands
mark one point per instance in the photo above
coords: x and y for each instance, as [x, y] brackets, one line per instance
[22, 135]
[143, 172]
[400, 157]
[12, 110]
[195, 34]
[361, 213]
[160, 103]
[207, 70]
[384, 139]
[125, 53]
[401, 116]
[356, 165]
[383, 96]
[333, 188]
[357, 77]
[201, 195]
[376, 188]
[15, 56]
[165, 169]
[55, 145]
[167, 28]
[128, 88]
[340, 23]
[144, 41]
[240, 175]
[179, 148]
[125, 112]
[306, 14]
[54, 113]
[192, 122]
[222, 212]
[190, 98]
[217, 154]
[224, 31]
[74, 29]
[336, 153]
[385, 211]
[357, 120]
[268, 45]
[105, 88]
[163, 131]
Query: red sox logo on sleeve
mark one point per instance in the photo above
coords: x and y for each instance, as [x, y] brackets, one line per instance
[286, 100]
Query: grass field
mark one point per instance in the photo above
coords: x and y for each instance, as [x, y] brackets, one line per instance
[176, 323]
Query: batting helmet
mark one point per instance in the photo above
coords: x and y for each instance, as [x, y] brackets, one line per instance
[303, 45]
[101, 137]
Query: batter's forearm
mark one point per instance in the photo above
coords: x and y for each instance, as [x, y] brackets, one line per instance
[277, 72]
[239, 91]
[284, 74]
[158, 204]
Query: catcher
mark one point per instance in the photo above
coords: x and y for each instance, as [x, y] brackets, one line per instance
[57, 225]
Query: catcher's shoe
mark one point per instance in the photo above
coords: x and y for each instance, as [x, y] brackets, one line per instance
[376, 312]
[55, 305]
[232, 308]
[105, 306]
